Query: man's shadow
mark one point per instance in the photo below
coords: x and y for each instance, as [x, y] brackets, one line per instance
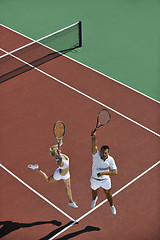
[74, 234]
[9, 226]
[70, 235]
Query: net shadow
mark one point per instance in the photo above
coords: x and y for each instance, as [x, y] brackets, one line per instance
[31, 65]
[41, 51]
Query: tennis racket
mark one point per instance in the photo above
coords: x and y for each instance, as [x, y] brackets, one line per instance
[59, 131]
[103, 118]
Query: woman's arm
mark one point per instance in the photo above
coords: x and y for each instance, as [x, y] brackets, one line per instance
[60, 159]
[55, 146]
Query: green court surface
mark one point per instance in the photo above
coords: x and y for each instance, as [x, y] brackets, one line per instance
[121, 38]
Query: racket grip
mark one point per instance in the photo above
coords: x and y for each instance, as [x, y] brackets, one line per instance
[59, 144]
[93, 131]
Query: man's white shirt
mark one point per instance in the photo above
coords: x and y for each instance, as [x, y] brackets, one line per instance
[99, 165]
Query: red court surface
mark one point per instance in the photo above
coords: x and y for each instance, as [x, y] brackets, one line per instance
[69, 91]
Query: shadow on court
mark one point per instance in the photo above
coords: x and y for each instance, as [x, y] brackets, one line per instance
[15, 69]
[9, 226]
[70, 235]
[74, 234]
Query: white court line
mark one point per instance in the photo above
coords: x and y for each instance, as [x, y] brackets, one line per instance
[45, 199]
[113, 111]
[88, 67]
[100, 204]
[83, 94]
[38, 41]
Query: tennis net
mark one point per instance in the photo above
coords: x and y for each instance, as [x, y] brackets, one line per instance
[40, 51]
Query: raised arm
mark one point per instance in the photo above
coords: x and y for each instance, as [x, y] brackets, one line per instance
[94, 144]
[60, 159]
[55, 146]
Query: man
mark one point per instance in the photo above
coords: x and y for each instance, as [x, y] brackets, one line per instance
[61, 173]
[103, 166]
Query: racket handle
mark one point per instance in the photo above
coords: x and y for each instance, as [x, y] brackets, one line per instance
[59, 144]
[93, 131]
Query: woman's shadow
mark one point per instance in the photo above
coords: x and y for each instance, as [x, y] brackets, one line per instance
[9, 226]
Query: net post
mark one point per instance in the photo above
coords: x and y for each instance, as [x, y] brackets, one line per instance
[80, 34]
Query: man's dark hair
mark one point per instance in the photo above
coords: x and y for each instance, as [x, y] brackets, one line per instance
[104, 147]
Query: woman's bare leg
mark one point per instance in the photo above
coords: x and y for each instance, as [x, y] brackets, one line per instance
[44, 175]
[67, 183]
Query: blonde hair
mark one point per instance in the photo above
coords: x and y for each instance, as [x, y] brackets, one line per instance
[53, 153]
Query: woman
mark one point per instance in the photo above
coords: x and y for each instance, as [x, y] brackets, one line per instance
[62, 172]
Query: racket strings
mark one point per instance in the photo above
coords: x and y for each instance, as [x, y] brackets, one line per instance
[104, 117]
[59, 129]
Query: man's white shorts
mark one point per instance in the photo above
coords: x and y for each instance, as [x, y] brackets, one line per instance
[95, 184]
[57, 176]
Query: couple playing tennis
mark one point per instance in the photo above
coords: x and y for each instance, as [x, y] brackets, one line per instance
[103, 166]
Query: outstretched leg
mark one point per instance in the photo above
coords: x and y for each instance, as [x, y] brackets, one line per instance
[36, 168]
[44, 175]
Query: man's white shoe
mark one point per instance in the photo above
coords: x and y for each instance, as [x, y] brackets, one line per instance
[72, 204]
[113, 209]
[93, 203]
[33, 167]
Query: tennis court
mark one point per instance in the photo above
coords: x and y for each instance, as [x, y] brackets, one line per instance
[64, 89]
